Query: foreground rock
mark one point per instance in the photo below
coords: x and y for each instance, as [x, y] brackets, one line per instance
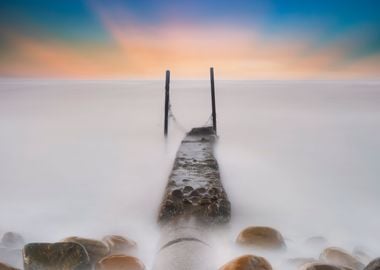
[362, 254]
[96, 249]
[57, 256]
[373, 265]
[320, 266]
[4, 266]
[119, 245]
[261, 237]
[12, 240]
[297, 262]
[247, 262]
[120, 262]
[340, 257]
[11, 256]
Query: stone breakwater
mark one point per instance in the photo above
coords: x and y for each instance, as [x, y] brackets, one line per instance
[194, 189]
[194, 199]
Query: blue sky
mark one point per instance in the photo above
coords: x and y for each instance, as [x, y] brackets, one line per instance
[76, 21]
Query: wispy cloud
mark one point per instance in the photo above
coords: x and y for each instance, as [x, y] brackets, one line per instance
[140, 50]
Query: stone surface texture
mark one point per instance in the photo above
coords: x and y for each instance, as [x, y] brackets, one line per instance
[247, 262]
[194, 188]
[57, 256]
[261, 238]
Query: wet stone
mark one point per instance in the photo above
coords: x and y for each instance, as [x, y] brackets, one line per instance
[177, 194]
[338, 256]
[212, 210]
[195, 163]
[214, 198]
[187, 202]
[120, 262]
[201, 190]
[224, 209]
[373, 265]
[195, 193]
[247, 262]
[363, 254]
[57, 256]
[96, 249]
[188, 189]
[262, 238]
[195, 200]
[205, 201]
[213, 191]
[320, 266]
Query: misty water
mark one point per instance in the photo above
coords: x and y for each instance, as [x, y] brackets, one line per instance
[88, 158]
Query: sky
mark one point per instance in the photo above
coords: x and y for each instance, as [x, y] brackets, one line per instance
[256, 39]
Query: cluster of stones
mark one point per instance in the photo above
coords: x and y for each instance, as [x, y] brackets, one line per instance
[113, 252]
[266, 238]
[208, 204]
[194, 188]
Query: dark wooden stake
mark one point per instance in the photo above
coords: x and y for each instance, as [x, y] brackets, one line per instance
[213, 99]
[167, 84]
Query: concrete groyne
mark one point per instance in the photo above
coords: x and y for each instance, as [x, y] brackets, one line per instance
[194, 201]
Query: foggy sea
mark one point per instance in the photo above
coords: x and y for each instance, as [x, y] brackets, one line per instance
[89, 158]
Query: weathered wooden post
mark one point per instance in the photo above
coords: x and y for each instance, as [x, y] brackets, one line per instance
[167, 102]
[213, 99]
[194, 200]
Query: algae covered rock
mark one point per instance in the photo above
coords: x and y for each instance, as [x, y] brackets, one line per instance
[247, 262]
[120, 262]
[57, 256]
[261, 237]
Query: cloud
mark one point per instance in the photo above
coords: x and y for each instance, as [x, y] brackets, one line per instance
[140, 50]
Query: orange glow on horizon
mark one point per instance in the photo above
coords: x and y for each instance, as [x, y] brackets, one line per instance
[137, 51]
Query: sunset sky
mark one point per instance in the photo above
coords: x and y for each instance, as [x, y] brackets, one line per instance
[140, 39]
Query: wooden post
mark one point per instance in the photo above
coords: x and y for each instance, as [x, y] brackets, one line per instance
[167, 84]
[213, 99]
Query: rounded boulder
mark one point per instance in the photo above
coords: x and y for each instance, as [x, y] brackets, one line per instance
[120, 262]
[340, 257]
[247, 262]
[262, 238]
[373, 265]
